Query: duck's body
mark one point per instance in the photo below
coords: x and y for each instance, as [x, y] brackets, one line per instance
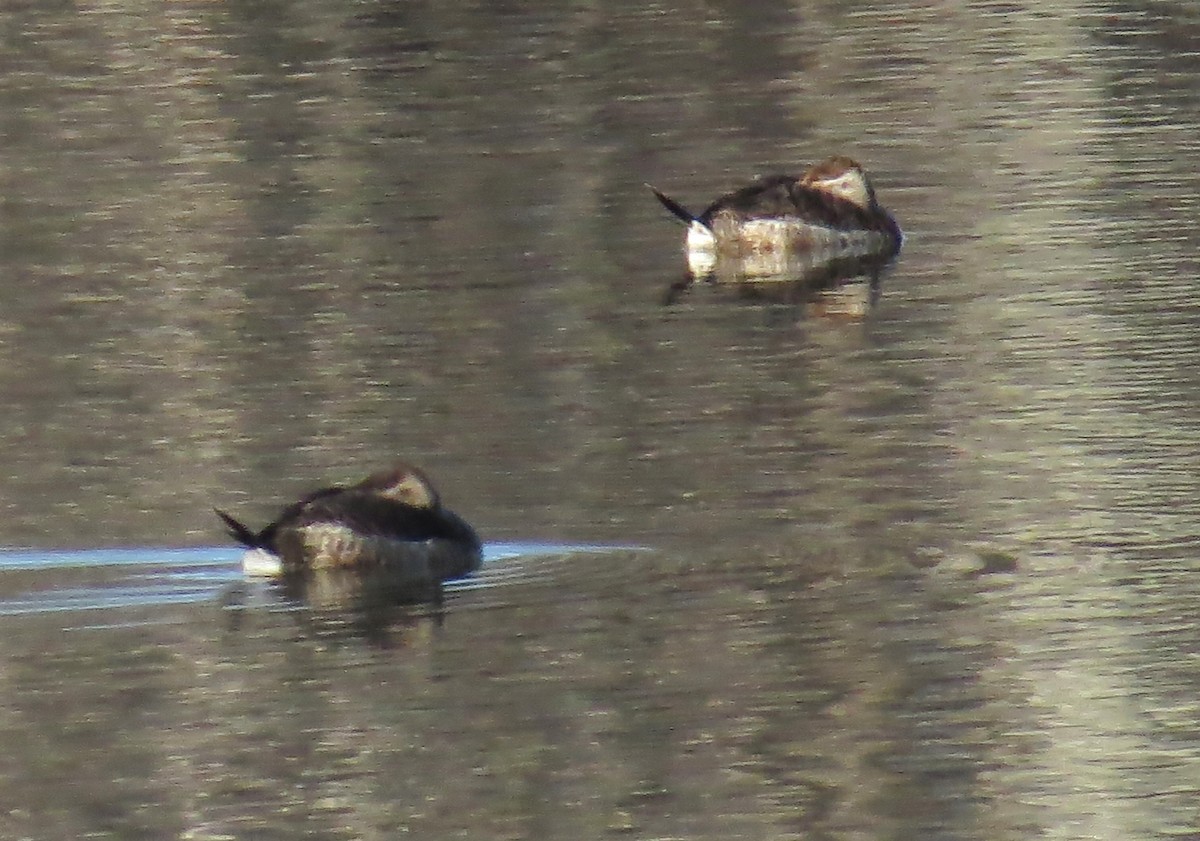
[391, 523]
[828, 213]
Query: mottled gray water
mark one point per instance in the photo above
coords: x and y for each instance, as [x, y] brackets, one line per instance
[930, 572]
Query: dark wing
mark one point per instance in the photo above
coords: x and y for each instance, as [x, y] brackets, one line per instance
[265, 539]
[770, 196]
[784, 196]
[373, 515]
[832, 211]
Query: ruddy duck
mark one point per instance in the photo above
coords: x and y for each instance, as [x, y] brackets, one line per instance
[830, 212]
[390, 524]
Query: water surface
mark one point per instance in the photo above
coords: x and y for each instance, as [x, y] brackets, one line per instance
[929, 572]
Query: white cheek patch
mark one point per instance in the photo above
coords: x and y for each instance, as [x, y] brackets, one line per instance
[850, 186]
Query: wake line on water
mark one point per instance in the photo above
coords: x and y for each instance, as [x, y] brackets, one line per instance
[167, 576]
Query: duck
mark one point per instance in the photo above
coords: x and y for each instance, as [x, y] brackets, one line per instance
[828, 213]
[391, 525]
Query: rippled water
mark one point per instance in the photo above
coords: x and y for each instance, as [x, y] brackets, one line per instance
[927, 570]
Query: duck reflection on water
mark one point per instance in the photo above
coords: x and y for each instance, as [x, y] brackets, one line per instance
[812, 231]
[388, 534]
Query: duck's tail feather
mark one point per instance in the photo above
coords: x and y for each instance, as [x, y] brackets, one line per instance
[239, 531]
[677, 210]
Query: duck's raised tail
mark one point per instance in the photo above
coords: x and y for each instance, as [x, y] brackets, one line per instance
[677, 210]
[238, 531]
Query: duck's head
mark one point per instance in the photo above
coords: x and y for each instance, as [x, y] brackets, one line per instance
[402, 483]
[843, 177]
